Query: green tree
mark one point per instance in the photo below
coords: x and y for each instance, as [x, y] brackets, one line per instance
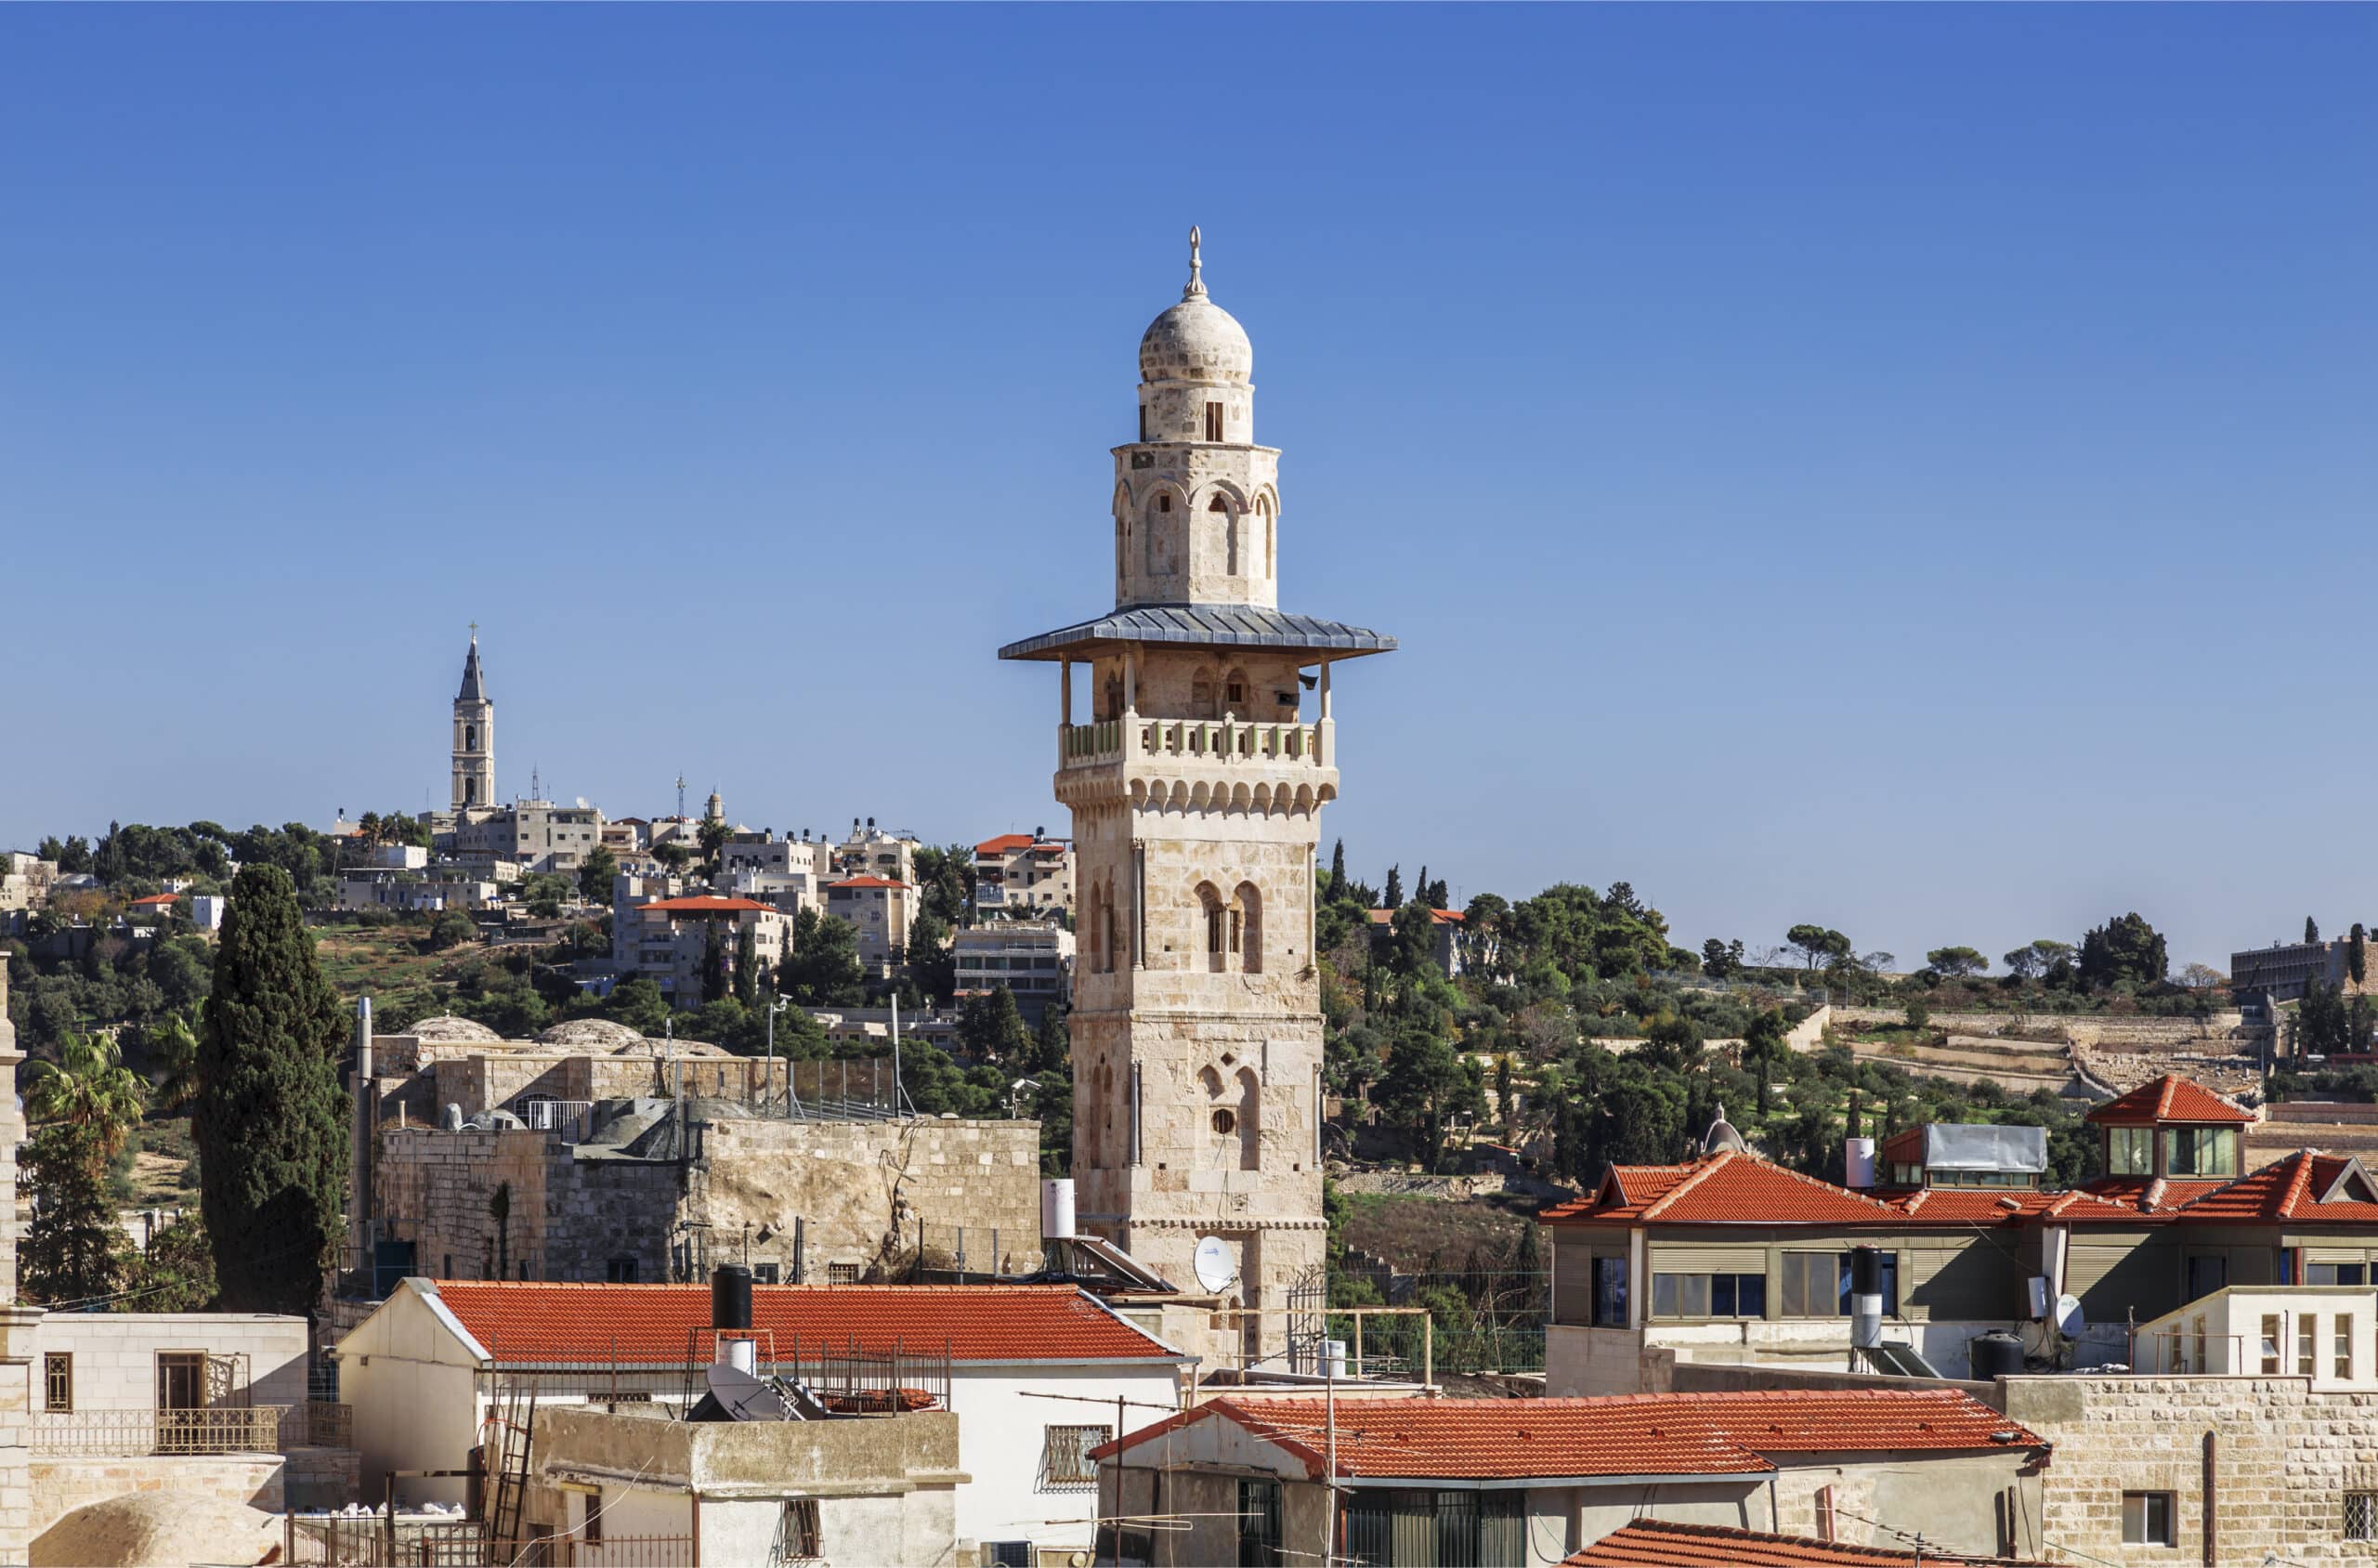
[90, 1088]
[176, 1273]
[1394, 887]
[1721, 959]
[72, 1250]
[270, 1119]
[2312, 929]
[1817, 946]
[932, 960]
[1422, 1086]
[1764, 1051]
[945, 883]
[1337, 864]
[1413, 945]
[1503, 1100]
[1052, 1047]
[451, 929]
[2124, 949]
[991, 1029]
[596, 874]
[714, 963]
[712, 835]
[747, 965]
[173, 1055]
[2357, 953]
[1919, 1013]
[1955, 964]
[823, 968]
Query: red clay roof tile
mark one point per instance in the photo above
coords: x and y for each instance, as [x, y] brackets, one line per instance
[702, 904]
[1659, 1543]
[581, 1323]
[2169, 1098]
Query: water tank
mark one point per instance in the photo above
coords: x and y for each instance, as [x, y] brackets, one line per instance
[1866, 1271]
[730, 1296]
[1057, 1208]
[1335, 1351]
[1858, 1163]
[1996, 1355]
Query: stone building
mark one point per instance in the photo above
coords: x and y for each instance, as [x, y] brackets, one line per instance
[1196, 783]
[1024, 876]
[881, 911]
[473, 737]
[596, 1155]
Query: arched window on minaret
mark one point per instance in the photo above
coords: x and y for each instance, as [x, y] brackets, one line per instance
[1263, 514]
[1232, 697]
[1246, 908]
[470, 792]
[1161, 507]
[1230, 535]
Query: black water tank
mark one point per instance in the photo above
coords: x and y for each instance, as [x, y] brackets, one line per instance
[1996, 1355]
[730, 1296]
[1866, 1271]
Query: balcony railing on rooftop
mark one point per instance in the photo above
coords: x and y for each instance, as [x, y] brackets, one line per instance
[1219, 740]
[221, 1429]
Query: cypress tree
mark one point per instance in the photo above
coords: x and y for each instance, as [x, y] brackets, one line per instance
[1395, 887]
[269, 1117]
[2357, 953]
[747, 967]
[713, 963]
[1338, 871]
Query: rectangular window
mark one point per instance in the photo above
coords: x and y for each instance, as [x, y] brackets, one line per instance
[57, 1380]
[1144, 421]
[1213, 422]
[2336, 1273]
[842, 1274]
[2200, 1151]
[590, 1522]
[798, 1535]
[1259, 1523]
[2130, 1151]
[2308, 1345]
[1610, 1293]
[2361, 1516]
[618, 1270]
[1065, 1455]
[1811, 1282]
[2147, 1520]
[2342, 1349]
[1701, 1294]
[2270, 1344]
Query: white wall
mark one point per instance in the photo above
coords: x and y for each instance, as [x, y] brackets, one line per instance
[115, 1354]
[412, 1385]
[1002, 1432]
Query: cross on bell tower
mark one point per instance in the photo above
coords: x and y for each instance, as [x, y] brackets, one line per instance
[1196, 777]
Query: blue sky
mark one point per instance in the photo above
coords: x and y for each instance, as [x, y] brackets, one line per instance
[1909, 468]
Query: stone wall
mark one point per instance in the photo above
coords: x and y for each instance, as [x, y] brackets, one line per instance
[2150, 1033]
[61, 1485]
[861, 1190]
[2282, 1458]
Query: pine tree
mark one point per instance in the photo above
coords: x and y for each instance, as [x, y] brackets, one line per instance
[270, 1119]
[2312, 929]
[1338, 871]
[70, 1251]
[1394, 887]
[747, 967]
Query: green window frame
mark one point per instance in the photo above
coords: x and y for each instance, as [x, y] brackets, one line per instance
[2130, 1151]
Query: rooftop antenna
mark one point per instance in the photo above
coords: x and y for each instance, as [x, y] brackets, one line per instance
[681, 797]
[536, 783]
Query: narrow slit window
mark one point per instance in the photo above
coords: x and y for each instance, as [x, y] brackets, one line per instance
[1213, 422]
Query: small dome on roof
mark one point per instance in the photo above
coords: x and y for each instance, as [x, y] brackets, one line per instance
[1722, 1136]
[1197, 340]
[143, 1528]
[590, 1034]
[445, 1026]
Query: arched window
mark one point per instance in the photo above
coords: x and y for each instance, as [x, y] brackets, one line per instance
[1218, 931]
[1106, 932]
[1122, 551]
[1263, 511]
[1246, 905]
[1201, 694]
[1230, 535]
[1103, 1127]
[470, 792]
[470, 737]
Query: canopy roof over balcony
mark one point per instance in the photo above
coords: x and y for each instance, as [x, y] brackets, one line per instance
[1204, 626]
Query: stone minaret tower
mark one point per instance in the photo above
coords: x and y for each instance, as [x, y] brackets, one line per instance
[19, 1323]
[473, 737]
[1196, 781]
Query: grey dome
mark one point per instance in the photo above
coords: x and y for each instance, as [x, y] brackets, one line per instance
[447, 1029]
[1197, 340]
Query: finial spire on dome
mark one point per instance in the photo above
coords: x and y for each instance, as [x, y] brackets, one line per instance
[1196, 289]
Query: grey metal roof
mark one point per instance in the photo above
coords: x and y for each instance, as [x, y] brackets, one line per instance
[1224, 625]
[471, 691]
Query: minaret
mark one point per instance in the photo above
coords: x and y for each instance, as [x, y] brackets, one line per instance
[474, 736]
[1195, 780]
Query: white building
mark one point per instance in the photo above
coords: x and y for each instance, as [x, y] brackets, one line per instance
[871, 850]
[881, 910]
[2328, 1333]
[420, 1374]
[1032, 961]
[1026, 876]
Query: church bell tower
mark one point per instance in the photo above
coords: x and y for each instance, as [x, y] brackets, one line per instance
[1197, 775]
[473, 737]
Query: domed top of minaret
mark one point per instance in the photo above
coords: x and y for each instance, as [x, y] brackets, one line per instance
[1197, 340]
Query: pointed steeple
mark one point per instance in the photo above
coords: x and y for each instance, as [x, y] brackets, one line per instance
[471, 691]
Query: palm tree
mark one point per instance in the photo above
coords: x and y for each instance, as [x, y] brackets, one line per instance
[88, 1086]
[173, 1049]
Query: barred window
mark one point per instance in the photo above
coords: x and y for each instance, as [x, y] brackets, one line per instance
[1065, 1460]
[58, 1380]
[842, 1274]
[797, 1532]
[2361, 1516]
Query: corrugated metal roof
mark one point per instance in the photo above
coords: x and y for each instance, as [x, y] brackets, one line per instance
[1222, 625]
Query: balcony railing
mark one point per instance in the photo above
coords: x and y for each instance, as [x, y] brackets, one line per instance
[230, 1428]
[1219, 740]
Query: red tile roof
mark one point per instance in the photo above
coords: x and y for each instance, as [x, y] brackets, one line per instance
[701, 904]
[1659, 1543]
[154, 898]
[1440, 917]
[1731, 1187]
[1005, 843]
[2169, 1098]
[2150, 1195]
[1627, 1435]
[580, 1323]
[2293, 1189]
[864, 881]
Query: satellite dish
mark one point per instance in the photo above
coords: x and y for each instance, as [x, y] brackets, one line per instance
[743, 1396]
[2069, 1321]
[1213, 1264]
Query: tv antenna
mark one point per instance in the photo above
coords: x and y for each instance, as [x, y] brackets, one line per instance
[681, 797]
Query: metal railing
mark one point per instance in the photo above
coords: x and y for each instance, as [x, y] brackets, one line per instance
[235, 1428]
[556, 1116]
[318, 1424]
